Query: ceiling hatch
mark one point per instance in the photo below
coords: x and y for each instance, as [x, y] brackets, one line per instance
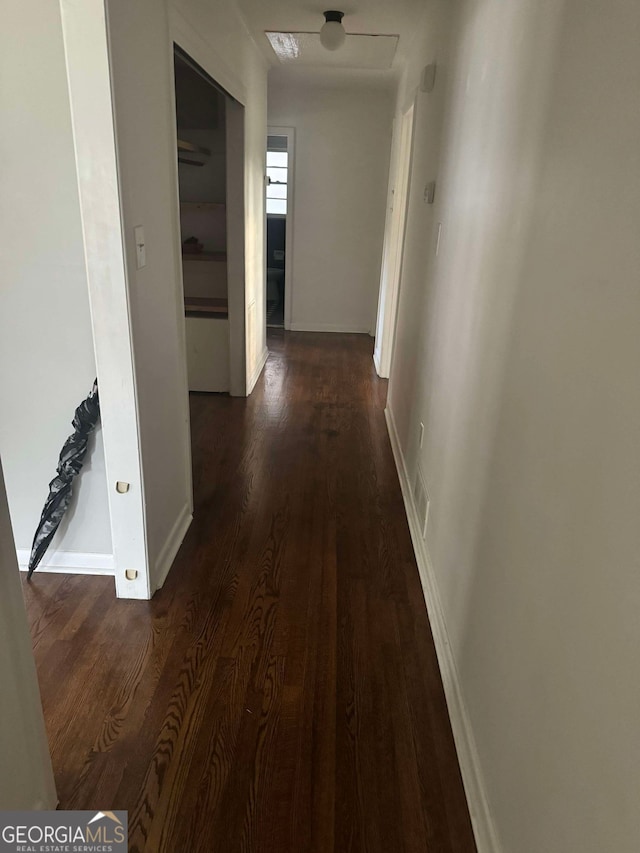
[359, 51]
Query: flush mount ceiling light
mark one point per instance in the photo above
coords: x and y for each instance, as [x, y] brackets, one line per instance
[332, 34]
[362, 51]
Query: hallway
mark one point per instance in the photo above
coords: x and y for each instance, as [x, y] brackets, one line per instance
[281, 693]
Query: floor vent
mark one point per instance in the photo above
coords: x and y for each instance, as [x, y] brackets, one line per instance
[421, 497]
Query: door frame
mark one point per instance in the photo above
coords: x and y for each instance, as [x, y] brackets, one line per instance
[290, 133]
[86, 44]
[395, 230]
[235, 224]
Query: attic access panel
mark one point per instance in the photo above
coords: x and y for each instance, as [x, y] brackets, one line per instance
[370, 52]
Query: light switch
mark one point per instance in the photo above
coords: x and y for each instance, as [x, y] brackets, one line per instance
[141, 250]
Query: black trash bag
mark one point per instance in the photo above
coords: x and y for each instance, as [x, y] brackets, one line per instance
[69, 464]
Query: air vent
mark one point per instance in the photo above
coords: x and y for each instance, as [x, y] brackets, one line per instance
[421, 499]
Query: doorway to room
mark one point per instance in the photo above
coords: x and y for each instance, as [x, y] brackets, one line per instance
[210, 139]
[279, 204]
[200, 119]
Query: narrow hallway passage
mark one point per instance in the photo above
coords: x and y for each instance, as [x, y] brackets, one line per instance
[281, 693]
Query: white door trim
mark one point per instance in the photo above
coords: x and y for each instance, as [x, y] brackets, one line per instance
[92, 114]
[395, 227]
[236, 250]
[179, 289]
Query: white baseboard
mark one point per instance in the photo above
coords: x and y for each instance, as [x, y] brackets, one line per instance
[328, 327]
[172, 544]
[481, 818]
[70, 563]
[257, 370]
[376, 362]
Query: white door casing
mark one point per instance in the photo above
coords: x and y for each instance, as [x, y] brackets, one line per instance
[398, 197]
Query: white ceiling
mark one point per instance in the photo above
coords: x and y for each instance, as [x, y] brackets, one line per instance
[364, 17]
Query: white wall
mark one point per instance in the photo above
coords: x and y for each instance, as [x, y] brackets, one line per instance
[342, 149]
[26, 776]
[41, 221]
[141, 69]
[140, 39]
[518, 348]
[47, 363]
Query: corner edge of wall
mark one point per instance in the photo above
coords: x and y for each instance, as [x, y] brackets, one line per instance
[251, 383]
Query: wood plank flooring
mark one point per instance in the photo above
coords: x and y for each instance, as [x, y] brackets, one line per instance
[281, 693]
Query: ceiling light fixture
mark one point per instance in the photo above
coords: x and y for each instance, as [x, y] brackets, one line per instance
[332, 34]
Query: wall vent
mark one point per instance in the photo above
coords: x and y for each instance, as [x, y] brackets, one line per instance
[421, 498]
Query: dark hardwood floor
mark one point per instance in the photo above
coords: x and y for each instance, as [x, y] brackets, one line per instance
[281, 693]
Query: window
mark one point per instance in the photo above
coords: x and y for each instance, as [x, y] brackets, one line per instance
[277, 172]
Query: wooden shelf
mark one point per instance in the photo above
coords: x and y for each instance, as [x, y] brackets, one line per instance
[204, 306]
[192, 148]
[187, 151]
[203, 205]
[206, 257]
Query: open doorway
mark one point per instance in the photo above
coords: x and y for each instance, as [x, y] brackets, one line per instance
[202, 135]
[200, 119]
[398, 196]
[279, 201]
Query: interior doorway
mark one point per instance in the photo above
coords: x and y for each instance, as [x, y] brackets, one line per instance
[391, 272]
[200, 119]
[205, 129]
[279, 212]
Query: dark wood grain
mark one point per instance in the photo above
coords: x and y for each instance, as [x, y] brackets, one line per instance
[281, 693]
